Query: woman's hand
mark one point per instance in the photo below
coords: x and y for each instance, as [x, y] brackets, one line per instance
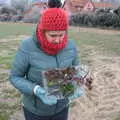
[41, 94]
[78, 92]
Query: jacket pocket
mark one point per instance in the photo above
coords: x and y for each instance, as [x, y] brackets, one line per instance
[46, 109]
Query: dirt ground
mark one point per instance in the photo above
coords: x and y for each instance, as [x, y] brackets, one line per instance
[103, 101]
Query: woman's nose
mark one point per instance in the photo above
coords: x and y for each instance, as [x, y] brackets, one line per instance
[57, 40]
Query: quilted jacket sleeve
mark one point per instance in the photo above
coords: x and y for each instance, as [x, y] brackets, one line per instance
[19, 71]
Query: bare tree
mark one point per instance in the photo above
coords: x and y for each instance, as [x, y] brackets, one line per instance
[33, 15]
[21, 5]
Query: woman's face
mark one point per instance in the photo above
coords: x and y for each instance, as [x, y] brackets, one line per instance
[55, 36]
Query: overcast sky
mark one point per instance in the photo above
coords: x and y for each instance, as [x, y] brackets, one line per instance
[5, 1]
[8, 1]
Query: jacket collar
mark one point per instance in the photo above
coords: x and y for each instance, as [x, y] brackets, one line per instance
[34, 38]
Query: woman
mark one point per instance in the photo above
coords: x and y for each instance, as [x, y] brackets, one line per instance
[48, 48]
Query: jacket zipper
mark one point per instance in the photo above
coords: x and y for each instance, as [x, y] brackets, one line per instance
[57, 61]
[57, 67]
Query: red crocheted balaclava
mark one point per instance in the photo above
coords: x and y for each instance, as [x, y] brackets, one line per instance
[53, 19]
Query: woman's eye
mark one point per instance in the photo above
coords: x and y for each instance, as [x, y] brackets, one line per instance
[61, 35]
[52, 35]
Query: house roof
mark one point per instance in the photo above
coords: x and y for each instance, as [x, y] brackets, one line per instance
[79, 3]
[39, 5]
[104, 5]
[36, 1]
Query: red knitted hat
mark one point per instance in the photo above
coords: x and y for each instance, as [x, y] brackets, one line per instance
[54, 19]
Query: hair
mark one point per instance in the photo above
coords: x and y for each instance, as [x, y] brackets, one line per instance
[55, 4]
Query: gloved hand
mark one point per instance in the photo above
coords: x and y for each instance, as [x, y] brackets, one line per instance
[78, 92]
[40, 93]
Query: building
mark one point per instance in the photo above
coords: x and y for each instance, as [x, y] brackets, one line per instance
[75, 6]
[89, 7]
[100, 5]
[38, 6]
[72, 6]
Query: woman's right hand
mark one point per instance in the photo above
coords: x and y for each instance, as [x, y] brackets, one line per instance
[41, 94]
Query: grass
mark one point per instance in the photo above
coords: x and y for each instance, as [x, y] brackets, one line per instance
[3, 116]
[11, 93]
[15, 29]
[6, 61]
[7, 109]
[9, 103]
[3, 77]
[101, 42]
[118, 118]
[104, 42]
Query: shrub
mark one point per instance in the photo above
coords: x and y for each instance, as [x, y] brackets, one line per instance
[101, 18]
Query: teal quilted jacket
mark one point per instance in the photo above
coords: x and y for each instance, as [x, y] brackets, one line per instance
[26, 69]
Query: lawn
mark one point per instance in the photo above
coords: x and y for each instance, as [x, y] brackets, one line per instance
[104, 41]
[15, 29]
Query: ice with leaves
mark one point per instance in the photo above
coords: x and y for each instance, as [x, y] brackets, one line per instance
[63, 82]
